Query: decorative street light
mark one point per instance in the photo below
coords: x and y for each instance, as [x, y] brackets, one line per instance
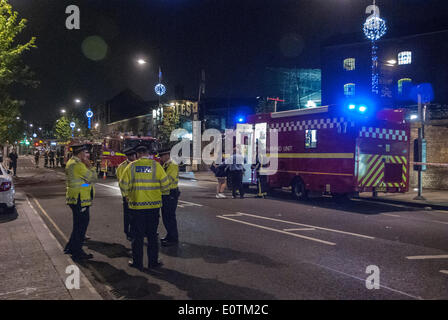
[89, 115]
[374, 29]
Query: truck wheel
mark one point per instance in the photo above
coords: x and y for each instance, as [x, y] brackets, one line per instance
[298, 190]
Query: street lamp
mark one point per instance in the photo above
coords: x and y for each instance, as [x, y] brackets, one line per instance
[63, 111]
[31, 125]
[77, 101]
[141, 61]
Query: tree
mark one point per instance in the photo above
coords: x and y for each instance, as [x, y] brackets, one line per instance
[12, 70]
[170, 122]
[62, 129]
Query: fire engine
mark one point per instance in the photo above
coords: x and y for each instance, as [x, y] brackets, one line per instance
[112, 148]
[335, 150]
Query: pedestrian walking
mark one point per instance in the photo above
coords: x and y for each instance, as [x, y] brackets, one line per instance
[36, 158]
[221, 177]
[51, 156]
[131, 155]
[79, 196]
[13, 157]
[236, 171]
[170, 199]
[143, 182]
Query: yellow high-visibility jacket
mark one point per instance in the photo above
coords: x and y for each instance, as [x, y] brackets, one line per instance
[119, 173]
[172, 171]
[79, 182]
[143, 182]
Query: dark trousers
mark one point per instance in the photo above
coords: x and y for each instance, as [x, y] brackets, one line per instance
[13, 166]
[80, 223]
[126, 218]
[169, 206]
[237, 182]
[144, 223]
[262, 181]
[52, 162]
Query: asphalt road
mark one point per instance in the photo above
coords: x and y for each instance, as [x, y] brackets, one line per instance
[251, 248]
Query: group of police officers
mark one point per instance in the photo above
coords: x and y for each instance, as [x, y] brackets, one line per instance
[146, 187]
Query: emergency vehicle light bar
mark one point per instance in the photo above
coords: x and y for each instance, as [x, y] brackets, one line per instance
[299, 112]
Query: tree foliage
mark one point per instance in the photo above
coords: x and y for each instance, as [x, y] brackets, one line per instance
[12, 70]
[62, 129]
[170, 122]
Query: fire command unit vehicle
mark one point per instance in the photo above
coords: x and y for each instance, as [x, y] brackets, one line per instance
[334, 150]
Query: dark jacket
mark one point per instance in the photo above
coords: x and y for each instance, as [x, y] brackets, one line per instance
[219, 171]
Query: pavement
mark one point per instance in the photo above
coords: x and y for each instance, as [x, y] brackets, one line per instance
[434, 199]
[258, 249]
[33, 265]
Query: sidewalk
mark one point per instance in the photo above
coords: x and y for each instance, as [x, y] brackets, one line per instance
[199, 175]
[32, 263]
[436, 199]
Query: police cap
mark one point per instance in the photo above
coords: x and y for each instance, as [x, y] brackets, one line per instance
[164, 151]
[79, 147]
[142, 148]
[129, 151]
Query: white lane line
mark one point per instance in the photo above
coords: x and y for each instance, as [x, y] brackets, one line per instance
[442, 222]
[191, 203]
[107, 186]
[310, 226]
[180, 206]
[444, 271]
[442, 256]
[300, 229]
[232, 215]
[391, 215]
[279, 231]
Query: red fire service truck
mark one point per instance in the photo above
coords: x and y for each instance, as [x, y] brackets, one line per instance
[112, 148]
[337, 150]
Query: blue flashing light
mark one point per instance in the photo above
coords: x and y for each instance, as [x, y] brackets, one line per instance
[352, 107]
[240, 119]
[362, 109]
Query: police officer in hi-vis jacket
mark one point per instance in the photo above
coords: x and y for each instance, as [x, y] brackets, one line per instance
[79, 196]
[143, 182]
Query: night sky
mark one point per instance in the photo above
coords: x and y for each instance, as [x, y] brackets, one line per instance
[233, 40]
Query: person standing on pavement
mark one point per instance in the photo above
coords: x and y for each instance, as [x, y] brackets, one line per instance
[45, 158]
[236, 170]
[79, 196]
[51, 156]
[131, 155]
[36, 158]
[13, 157]
[221, 176]
[143, 183]
[170, 199]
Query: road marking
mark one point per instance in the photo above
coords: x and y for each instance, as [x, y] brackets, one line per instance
[300, 229]
[107, 186]
[191, 203]
[279, 231]
[442, 256]
[442, 222]
[444, 271]
[310, 226]
[232, 215]
[391, 215]
[48, 217]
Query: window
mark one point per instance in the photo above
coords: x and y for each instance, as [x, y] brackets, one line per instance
[405, 57]
[349, 89]
[349, 64]
[310, 139]
[402, 84]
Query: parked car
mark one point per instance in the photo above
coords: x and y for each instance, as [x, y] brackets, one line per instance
[7, 191]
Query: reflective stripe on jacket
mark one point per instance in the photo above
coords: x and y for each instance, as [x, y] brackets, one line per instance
[79, 182]
[119, 173]
[143, 182]
[172, 171]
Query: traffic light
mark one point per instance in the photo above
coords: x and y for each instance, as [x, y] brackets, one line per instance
[36, 144]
